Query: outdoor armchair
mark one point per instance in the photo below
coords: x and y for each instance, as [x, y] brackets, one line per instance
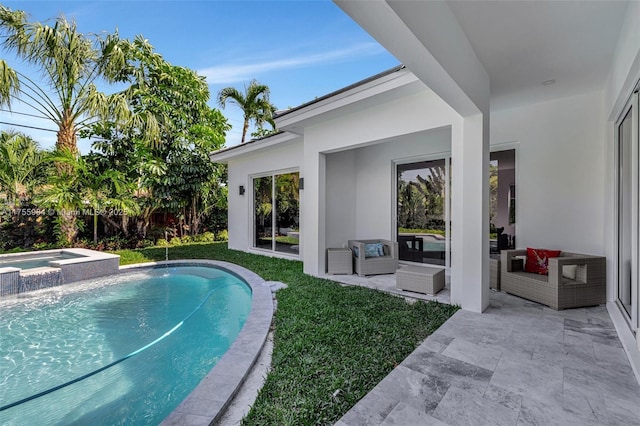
[387, 263]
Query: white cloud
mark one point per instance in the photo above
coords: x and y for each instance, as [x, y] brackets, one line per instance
[232, 73]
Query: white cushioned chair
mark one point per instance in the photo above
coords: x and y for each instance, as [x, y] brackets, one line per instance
[384, 264]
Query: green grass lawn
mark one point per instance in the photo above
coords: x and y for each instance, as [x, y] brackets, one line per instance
[332, 344]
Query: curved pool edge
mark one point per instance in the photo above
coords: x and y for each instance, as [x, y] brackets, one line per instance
[208, 401]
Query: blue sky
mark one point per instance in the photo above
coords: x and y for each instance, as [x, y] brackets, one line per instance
[300, 49]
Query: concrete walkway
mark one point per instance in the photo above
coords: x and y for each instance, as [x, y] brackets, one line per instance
[518, 363]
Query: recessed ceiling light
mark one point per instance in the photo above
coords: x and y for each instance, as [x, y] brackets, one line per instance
[548, 82]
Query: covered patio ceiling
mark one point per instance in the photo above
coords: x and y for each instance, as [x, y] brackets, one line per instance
[520, 44]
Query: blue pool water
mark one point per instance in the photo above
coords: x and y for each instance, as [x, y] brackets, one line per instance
[434, 246]
[189, 315]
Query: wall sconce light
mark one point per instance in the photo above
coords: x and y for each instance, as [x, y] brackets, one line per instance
[301, 183]
[241, 191]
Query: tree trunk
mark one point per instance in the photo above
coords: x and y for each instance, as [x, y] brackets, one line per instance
[68, 228]
[245, 129]
[125, 225]
[195, 225]
[115, 225]
[67, 140]
[95, 227]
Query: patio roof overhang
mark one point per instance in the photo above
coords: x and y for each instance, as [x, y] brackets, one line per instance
[427, 38]
[224, 155]
[519, 44]
[384, 87]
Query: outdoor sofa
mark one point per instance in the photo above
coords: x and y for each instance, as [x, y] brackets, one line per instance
[582, 284]
[383, 263]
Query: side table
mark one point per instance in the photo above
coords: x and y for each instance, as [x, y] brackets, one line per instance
[494, 273]
[339, 261]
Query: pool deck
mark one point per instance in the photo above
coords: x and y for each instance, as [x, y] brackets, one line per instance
[518, 363]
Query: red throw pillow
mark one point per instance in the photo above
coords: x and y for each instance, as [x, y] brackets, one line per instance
[538, 260]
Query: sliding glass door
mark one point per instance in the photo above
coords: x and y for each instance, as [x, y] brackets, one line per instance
[502, 201]
[276, 206]
[263, 209]
[627, 203]
[422, 211]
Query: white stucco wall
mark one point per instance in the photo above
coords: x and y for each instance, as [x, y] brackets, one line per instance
[375, 178]
[420, 111]
[625, 68]
[285, 157]
[341, 190]
[560, 172]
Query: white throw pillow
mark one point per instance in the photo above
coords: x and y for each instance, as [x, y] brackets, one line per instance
[569, 271]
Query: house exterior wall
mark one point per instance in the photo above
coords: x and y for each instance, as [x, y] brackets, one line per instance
[376, 177]
[241, 170]
[360, 185]
[341, 190]
[361, 128]
[420, 111]
[623, 76]
[560, 193]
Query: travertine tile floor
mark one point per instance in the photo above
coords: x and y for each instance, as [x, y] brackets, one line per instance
[518, 363]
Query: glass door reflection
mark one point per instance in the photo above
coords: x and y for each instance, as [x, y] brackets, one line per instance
[421, 197]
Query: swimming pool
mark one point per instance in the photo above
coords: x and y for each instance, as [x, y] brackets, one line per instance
[158, 331]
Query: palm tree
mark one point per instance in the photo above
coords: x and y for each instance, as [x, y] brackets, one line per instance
[254, 103]
[70, 63]
[22, 166]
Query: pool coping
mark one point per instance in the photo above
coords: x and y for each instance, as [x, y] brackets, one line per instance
[208, 401]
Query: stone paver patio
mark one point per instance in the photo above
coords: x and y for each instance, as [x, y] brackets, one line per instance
[518, 363]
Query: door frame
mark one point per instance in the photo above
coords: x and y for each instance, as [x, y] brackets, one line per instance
[633, 320]
[252, 216]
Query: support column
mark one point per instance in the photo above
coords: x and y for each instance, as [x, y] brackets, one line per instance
[470, 213]
[312, 235]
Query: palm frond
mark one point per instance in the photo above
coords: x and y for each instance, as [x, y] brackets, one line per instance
[231, 93]
[9, 84]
